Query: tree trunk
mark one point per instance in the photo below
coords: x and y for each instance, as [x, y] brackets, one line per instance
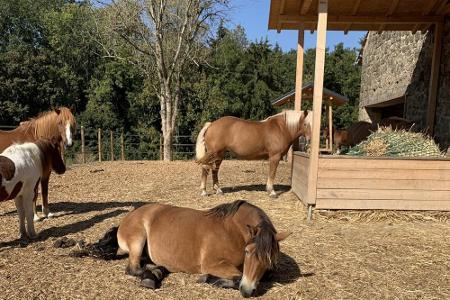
[168, 137]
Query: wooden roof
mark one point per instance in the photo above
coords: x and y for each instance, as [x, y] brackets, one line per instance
[307, 95]
[359, 15]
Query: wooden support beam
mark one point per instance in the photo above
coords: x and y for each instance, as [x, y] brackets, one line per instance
[317, 100]
[433, 88]
[282, 9]
[300, 5]
[356, 7]
[347, 28]
[441, 8]
[416, 28]
[330, 124]
[305, 7]
[299, 69]
[430, 7]
[360, 19]
[390, 11]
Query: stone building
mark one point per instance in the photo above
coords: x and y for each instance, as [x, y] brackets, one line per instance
[396, 72]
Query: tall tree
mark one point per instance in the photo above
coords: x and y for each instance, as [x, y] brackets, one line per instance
[165, 37]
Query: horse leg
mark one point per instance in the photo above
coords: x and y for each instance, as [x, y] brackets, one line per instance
[134, 258]
[273, 165]
[27, 202]
[20, 210]
[215, 177]
[44, 187]
[205, 172]
[36, 217]
[222, 274]
[152, 277]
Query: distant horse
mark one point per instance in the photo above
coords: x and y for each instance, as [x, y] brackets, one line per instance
[396, 123]
[52, 124]
[353, 135]
[21, 168]
[231, 245]
[267, 139]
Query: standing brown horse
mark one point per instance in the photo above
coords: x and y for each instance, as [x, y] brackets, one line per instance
[232, 244]
[269, 139]
[58, 123]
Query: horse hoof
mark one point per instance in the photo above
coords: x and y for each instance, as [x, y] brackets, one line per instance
[204, 194]
[148, 283]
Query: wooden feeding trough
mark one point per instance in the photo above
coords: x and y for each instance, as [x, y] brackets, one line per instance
[330, 98]
[337, 182]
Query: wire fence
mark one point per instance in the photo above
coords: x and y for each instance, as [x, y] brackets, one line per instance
[96, 144]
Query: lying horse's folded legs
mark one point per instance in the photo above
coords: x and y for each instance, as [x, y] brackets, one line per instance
[205, 172]
[220, 282]
[152, 277]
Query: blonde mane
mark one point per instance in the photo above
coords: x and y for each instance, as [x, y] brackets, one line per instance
[46, 123]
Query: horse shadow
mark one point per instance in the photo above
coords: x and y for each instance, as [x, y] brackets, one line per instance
[72, 208]
[279, 188]
[286, 271]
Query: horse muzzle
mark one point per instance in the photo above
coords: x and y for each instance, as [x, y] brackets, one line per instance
[246, 288]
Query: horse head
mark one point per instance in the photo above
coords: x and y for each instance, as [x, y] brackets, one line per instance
[261, 253]
[66, 124]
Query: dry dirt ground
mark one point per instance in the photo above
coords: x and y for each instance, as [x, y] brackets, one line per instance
[340, 255]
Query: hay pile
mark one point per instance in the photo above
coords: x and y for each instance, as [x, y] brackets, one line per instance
[396, 143]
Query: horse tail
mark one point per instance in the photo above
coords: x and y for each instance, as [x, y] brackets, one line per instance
[200, 147]
[106, 248]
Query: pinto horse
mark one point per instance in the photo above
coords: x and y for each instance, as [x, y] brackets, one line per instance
[232, 245]
[22, 166]
[268, 139]
[58, 123]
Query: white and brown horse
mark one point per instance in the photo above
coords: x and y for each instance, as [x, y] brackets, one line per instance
[58, 123]
[231, 245]
[22, 166]
[268, 139]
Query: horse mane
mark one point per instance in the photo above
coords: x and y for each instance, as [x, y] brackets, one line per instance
[266, 246]
[45, 125]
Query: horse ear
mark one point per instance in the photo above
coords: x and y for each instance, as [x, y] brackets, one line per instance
[282, 235]
[57, 111]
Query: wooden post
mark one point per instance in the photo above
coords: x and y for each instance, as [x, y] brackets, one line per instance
[330, 124]
[100, 145]
[298, 83]
[317, 101]
[122, 146]
[434, 79]
[83, 151]
[111, 145]
[161, 147]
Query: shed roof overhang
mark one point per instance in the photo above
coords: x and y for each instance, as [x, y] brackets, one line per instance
[359, 15]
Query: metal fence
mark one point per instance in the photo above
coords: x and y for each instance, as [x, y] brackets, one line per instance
[96, 144]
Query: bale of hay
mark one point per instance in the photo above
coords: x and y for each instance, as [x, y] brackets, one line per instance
[396, 143]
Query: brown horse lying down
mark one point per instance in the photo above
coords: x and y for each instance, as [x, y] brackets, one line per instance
[231, 245]
[267, 139]
[21, 169]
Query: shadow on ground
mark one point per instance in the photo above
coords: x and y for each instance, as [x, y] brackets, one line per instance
[71, 208]
[280, 188]
[287, 271]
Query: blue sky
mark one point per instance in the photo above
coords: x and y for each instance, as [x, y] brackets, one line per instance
[253, 15]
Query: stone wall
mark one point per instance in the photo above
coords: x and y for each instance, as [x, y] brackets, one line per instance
[397, 65]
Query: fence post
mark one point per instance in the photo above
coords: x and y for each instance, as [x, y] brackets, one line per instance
[160, 147]
[122, 146]
[83, 154]
[111, 145]
[100, 145]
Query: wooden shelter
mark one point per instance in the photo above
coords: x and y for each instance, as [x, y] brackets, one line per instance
[330, 99]
[364, 183]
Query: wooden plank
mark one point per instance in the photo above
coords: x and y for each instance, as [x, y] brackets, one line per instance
[386, 173]
[356, 7]
[441, 8]
[381, 194]
[317, 100]
[362, 19]
[300, 179]
[430, 6]
[330, 125]
[383, 183]
[433, 88]
[305, 7]
[393, 204]
[299, 69]
[369, 164]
